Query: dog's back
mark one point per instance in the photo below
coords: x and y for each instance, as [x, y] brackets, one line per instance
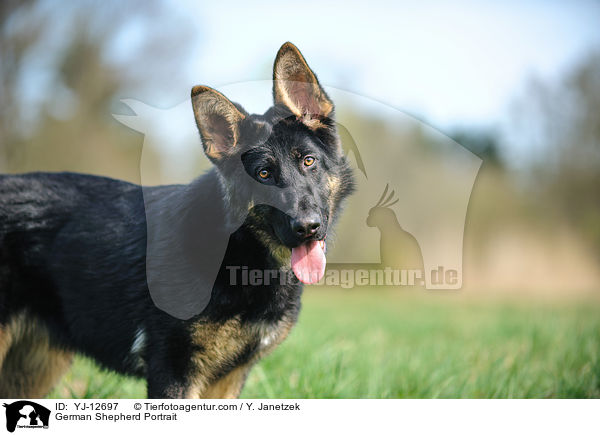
[48, 215]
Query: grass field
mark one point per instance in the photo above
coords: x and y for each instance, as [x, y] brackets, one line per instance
[388, 344]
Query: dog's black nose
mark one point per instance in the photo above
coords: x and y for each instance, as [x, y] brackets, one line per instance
[306, 227]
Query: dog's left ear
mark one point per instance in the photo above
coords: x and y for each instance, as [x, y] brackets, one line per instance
[218, 120]
[297, 87]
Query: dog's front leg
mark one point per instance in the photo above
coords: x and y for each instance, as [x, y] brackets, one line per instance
[229, 386]
[165, 382]
[163, 387]
[167, 387]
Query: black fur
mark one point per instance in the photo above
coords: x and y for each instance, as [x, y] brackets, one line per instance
[73, 255]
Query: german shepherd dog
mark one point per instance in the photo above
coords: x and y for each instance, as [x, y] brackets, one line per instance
[74, 269]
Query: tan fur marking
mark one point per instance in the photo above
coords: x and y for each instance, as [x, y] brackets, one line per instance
[313, 123]
[280, 253]
[31, 365]
[334, 184]
[222, 343]
[5, 343]
[229, 386]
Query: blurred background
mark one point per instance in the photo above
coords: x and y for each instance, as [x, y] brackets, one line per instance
[516, 83]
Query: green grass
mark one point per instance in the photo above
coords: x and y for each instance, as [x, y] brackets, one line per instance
[388, 344]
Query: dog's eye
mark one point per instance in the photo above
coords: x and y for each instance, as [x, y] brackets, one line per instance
[309, 161]
[264, 174]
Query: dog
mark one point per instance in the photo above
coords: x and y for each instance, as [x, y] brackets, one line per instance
[83, 268]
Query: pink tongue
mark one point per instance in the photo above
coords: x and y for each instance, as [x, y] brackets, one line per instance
[308, 261]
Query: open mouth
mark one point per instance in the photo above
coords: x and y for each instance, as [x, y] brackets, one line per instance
[308, 261]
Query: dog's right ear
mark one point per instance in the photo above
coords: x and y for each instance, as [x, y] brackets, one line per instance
[218, 121]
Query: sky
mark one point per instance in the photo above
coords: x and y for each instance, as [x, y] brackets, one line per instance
[459, 64]
[450, 63]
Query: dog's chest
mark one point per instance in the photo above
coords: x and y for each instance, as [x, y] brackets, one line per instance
[270, 335]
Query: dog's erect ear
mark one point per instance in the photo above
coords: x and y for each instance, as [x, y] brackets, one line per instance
[297, 87]
[218, 121]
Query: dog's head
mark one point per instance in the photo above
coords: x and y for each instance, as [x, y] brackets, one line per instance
[284, 173]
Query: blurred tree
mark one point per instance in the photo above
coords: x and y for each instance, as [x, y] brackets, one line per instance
[562, 124]
[13, 46]
[64, 65]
